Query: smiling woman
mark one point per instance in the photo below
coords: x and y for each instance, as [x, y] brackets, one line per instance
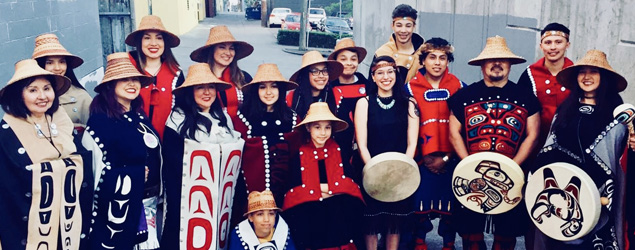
[37, 163]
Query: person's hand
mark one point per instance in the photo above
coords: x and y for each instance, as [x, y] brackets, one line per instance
[324, 190]
[147, 172]
[435, 164]
[631, 141]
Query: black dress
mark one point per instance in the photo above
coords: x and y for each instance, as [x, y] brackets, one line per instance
[387, 132]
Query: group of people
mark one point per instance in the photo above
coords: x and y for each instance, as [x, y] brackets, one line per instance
[242, 162]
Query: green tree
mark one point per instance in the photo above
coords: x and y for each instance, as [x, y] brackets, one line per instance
[334, 8]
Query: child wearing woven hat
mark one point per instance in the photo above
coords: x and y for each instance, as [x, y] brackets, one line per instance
[40, 175]
[386, 121]
[126, 158]
[222, 52]
[322, 203]
[493, 114]
[198, 134]
[263, 120]
[153, 56]
[586, 133]
[264, 228]
[313, 82]
[347, 89]
[52, 56]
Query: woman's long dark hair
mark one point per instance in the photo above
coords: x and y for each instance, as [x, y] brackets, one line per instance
[12, 100]
[105, 102]
[167, 57]
[185, 104]
[398, 89]
[606, 99]
[69, 72]
[237, 77]
[254, 109]
[303, 96]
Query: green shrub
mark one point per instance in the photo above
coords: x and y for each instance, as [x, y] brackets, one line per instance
[316, 39]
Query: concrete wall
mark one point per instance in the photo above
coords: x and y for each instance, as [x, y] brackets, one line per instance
[178, 16]
[75, 22]
[602, 25]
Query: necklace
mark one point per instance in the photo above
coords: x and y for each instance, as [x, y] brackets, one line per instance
[148, 137]
[385, 106]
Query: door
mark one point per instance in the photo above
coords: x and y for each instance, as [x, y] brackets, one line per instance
[116, 21]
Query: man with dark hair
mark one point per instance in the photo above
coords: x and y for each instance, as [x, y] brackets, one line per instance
[404, 42]
[540, 77]
[431, 87]
[493, 115]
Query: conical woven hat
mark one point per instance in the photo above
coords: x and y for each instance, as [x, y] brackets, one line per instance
[314, 57]
[496, 48]
[152, 23]
[568, 77]
[118, 66]
[220, 34]
[268, 72]
[29, 68]
[258, 201]
[348, 44]
[319, 111]
[49, 45]
[200, 74]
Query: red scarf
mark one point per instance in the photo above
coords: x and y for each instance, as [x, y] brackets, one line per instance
[233, 102]
[338, 183]
[434, 124]
[158, 96]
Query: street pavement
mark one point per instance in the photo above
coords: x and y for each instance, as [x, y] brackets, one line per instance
[266, 50]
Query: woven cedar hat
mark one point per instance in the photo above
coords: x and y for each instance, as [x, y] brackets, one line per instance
[595, 58]
[268, 72]
[152, 23]
[29, 68]
[118, 66]
[348, 44]
[258, 201]
[220, 34]
[49, 45]
[314, 57]
[319, 111]
[200, 74]
[496, 48]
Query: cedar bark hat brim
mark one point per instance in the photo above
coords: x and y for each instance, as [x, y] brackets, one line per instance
[49, 45]
[201, 74]
[315, 57]
[319, 111]
[269, 72]
[217, 35]
[119, 66]
[568, 77]
[348, 44]
[29, 68]
[152, 23]
[496, 48]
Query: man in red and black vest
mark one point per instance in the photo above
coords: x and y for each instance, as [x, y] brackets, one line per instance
[540, 77]
[431, 87]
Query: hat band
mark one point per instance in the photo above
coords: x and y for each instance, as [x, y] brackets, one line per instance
[259, 205]
[427, 47]
[381, 65]
[404, 18]
[554, 33]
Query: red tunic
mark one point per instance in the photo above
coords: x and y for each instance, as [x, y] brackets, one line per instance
[550, 93]
[434, 132]
[158, 99]
[234, 97]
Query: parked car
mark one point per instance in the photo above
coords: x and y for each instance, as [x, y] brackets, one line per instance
[253, 12]
[316, 15]
[277, 15]
[348, 17]
[337, 25]
[292, 22]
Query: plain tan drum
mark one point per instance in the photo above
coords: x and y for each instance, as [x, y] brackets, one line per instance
[562, 201]
[488, 183]
[391, 177]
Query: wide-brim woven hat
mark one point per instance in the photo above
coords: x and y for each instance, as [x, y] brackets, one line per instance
[319, 111]
[269, 72]
[315, 57]
[49, 45]
[200, 74]
[29, 68]
[568, 77]
[119, 66]
[220, 34]
[258, 201]
[348, 44]
[152, 23]
[496, 48]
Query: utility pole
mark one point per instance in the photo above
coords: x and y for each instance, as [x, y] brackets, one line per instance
[303, 21]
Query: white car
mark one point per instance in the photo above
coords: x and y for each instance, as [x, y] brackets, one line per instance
[315, 16]
[277, 15]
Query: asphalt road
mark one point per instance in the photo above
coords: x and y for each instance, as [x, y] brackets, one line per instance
[266, 50]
